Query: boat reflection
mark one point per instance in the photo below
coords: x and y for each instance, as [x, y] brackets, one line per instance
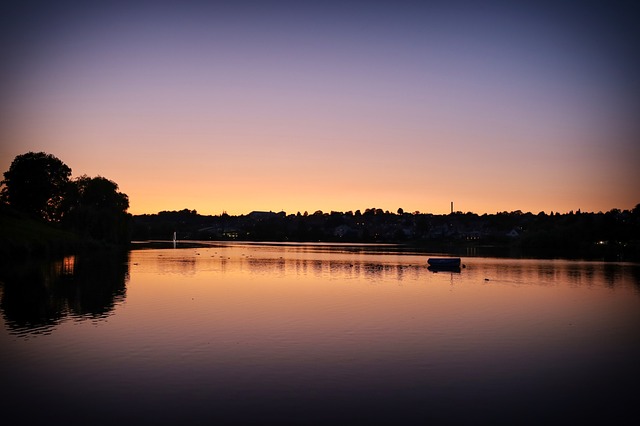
[444, 268]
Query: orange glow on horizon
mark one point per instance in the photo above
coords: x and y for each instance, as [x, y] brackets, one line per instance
[403, 110]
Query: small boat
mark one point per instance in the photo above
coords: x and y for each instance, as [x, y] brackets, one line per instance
[442, 262]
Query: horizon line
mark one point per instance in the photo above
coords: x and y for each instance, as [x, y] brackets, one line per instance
[387, 211]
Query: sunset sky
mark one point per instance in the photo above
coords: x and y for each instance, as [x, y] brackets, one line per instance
[304, 106]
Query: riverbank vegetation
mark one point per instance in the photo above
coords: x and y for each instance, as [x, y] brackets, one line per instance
[612, 235]
[43, 211]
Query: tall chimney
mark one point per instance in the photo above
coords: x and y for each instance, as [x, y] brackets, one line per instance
[452, 207]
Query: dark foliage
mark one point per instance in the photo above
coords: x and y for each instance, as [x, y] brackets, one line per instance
[41, 202]
[36, 184]
[96, 209]
[611, 235]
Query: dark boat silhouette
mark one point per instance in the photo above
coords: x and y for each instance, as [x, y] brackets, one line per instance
[444, 261]
[449, 264]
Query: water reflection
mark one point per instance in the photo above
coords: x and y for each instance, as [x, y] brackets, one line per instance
[346, 268]
[37, 296]
[382, 262]
[455, 269]
[551, 272]
[258, 335]
[171, 265]
[319, 261]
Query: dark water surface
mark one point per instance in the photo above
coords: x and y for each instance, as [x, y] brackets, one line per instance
[316, 334]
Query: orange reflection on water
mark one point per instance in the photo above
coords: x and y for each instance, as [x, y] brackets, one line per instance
[240, 302]
[270, 300]
[66, 266]
[199, 329]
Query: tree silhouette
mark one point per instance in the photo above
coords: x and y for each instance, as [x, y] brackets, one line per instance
[97, 209]
[36, 183]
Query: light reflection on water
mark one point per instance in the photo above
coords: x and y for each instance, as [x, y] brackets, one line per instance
[306, 333]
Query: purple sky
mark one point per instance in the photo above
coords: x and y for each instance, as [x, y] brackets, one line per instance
[244, 106]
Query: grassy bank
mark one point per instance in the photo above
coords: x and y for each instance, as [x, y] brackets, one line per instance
[22, 237]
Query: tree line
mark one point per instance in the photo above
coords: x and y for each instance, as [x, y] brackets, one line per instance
[612, 234]
[39, 186]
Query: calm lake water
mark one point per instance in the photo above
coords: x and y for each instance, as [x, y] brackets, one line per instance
[317, 334]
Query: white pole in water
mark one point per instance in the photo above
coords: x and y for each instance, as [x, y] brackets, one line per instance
[174, 239]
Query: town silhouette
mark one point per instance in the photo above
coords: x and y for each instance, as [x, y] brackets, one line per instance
[44, 211]
[613, 235]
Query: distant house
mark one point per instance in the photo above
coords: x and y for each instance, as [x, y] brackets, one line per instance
[472, 235]
[341, 231]
[513, 234]
[408, 232]
[218, 232]
[438, 231]
[259, 215]
[231, 233]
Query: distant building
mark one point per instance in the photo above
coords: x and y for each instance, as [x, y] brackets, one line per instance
[259, 215]
[513, 234]
[341, 231]
[472, 235]
[231, 233]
